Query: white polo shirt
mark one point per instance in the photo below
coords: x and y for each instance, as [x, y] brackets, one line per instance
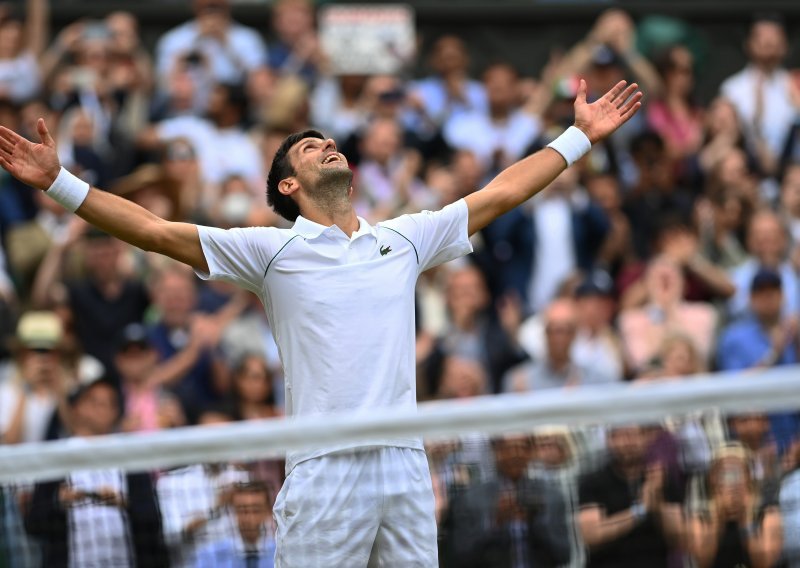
[341, 308]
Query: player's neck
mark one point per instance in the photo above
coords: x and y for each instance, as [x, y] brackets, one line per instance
[340, 214]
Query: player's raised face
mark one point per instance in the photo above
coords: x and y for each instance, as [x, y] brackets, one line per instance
[320, 169]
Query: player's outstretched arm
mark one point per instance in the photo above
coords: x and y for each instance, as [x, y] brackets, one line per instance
[37, 165]
[521, 181]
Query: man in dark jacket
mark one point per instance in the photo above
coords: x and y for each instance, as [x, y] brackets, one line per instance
[510, 520]
[97, 517]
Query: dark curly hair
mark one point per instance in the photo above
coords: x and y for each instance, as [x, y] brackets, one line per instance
[282, 168]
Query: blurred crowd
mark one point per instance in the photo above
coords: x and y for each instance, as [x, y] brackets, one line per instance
[672, 249]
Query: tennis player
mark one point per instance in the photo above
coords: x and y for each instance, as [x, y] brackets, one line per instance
[339, 294]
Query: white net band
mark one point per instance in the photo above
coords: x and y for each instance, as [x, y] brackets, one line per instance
[769, 390]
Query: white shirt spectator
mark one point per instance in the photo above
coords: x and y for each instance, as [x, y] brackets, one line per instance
[38, 410]
[98, 533]
[193, 492]
[228, 63]
[440, 106]
[554, 255]
[221, 153]
[478, 133]
[19, 77]
[778, 113]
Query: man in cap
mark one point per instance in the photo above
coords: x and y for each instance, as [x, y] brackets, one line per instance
[763, 339]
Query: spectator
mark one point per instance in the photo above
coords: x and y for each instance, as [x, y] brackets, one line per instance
[557, 368]
[462, 378]
[643, 329]
[98, 517]
[790, 203]
[252, 390]
[195, 504]
[597, 344]
[226, 49]
[388, 183]
[675, 116]
[511, 520]
[760, 92]
[99, 305]
[147, 405]
[768, 249]
[629, 514]
[763, 339]
[254, 543]
[474, 329]
[752, 431]
[739, 527]
[449, 91]
[32, 400]
[21, 45]
[297, 50]
[499, 135]
[185, 341]
[533, 250]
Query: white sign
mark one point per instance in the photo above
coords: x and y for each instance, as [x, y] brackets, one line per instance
[363, 39]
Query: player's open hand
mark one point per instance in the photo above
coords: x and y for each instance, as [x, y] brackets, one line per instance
[33, 164]
[609, 112]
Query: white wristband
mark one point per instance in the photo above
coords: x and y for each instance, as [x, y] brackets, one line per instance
[68, 190]
[573, 145]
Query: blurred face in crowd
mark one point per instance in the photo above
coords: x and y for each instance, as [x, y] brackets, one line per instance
[180, 161]
[124, 31]
[551, 450]
[730, 482]
[466, 292]
[664, 282]
[732, 169]
[462, 378]
[627, 445]
[565, 183]
[594, 311]
[721, 117]
[790, 190]
[502, 88]
[468, 171]
[512, 454]
[766, 303]
[253, 381]
[97, 410]
[750, 429]
[449, 56]
[293, 20]
[382, 141]
[766, 44]
[176, 296]
[101, 258]
[604, 189]
[10, 38]
[203, 8]
[679, 357]
[252, 511]
[679, 76]
[766, 239]
[40, 367]
[135, 362]
[560, 326]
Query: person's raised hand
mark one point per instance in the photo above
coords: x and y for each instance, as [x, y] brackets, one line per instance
[36, 165]
[602, 117]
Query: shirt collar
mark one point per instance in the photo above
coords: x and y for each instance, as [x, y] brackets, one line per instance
[311, 230]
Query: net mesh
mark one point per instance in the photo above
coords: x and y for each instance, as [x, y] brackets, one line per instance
[584, 477]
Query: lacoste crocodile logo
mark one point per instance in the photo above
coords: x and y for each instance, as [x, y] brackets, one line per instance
[385, 250]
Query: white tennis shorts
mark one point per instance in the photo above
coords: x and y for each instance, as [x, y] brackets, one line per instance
[366, 508]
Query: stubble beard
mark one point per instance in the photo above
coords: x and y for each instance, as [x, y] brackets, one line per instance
[332, 190]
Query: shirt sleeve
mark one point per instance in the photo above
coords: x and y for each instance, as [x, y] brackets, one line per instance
[240, 256]
[437, 236]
